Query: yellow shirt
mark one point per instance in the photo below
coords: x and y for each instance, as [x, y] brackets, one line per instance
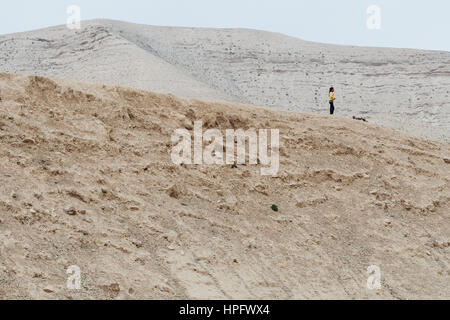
[332, 98]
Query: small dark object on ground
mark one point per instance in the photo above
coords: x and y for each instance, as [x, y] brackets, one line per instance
[274, 207]
[234, 166]
[359, 118]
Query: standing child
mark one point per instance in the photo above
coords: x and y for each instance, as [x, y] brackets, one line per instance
[331, 99]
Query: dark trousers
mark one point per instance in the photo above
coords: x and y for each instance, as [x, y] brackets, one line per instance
[331, 107]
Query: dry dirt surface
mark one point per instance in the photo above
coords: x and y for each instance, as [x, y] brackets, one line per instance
[87, 180]
[405, 89]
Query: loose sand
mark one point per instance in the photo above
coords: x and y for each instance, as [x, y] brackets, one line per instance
[87, 180]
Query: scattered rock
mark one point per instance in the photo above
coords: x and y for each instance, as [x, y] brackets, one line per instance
[38, 195]
[188, 124]
[13, 195]
[440, 245]
[28, 141]
[359, 118]
[75, 194]
[112, 290]
[373, 191]
[137, 243]
[338, 188]
[174, 192]
[408, 206]
[70, 210]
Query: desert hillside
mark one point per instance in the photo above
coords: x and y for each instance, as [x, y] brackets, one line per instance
[402, 88]
[87, 180]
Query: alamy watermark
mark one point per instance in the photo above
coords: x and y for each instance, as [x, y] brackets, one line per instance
[374, 19]
[74, 19]
[74, 279]
[374, 279]
[214, 152]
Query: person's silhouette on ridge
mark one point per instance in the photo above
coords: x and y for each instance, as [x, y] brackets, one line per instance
[331, 98]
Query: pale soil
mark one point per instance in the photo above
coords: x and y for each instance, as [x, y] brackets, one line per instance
[350, 195]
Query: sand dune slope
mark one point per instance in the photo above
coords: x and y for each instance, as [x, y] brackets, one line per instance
[87, 180]
[403, 88]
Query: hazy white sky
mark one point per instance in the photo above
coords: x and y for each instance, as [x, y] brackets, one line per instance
[421, 24]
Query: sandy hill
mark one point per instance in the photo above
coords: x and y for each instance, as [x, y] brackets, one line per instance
[87, 180]
[402, 88]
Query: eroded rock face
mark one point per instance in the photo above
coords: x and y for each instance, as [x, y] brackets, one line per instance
[401, 88]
